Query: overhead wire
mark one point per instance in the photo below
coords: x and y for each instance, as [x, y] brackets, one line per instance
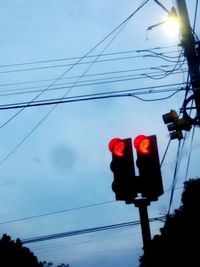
[169, 72]
[86, 62]
[174, 177]
[33, 217]
[190, 153]
[158, 99]
[84, 83]
[160, 68]
[161, 56]
[179, 154]
[165, 153]
[56, 212]
[75, 64]
[188, 76]
[193, 131]
[192, 139]
[180, 149]
[62, 75]
[86, 231]
[143, 100]
[97, 55]
[5, 123]
[195, 15]
[97, 96]
[175, 172]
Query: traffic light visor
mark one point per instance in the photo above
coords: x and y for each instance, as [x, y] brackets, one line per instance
[142, 144]
[117, 147]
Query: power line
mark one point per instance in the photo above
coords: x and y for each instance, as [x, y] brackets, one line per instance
[68, 70]
[65, 210]
[119, 27]
[62, 101]
[160, 69]
[85, 63]
[91, 82]
[190, 153]
[58, 88]
[96, 55]
[86, 231]
[174, 176]
[165, 153]
[97, 96]
[195, 15]
[57, 212]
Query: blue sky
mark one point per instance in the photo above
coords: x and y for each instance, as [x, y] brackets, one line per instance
[64, 163]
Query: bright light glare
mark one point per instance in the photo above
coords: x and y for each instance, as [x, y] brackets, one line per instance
[142, 144]
[172, 26]
[117, 147]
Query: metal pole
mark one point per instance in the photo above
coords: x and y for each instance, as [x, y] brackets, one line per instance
[190, 51]
[144, 220]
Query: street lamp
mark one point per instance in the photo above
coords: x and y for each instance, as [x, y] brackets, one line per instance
[172, 25]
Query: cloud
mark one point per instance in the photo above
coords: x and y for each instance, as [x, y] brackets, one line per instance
[63, 157]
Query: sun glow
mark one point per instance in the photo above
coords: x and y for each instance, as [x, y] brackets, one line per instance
[172, 25]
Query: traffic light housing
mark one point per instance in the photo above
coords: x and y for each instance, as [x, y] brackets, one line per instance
[122, 166]
[148, 164]
[176, 125]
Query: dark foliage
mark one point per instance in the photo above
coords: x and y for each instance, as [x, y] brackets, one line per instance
[12, 253]
[178, 242]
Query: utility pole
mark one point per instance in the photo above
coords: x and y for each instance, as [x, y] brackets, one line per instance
[142, 204]
[192, 54]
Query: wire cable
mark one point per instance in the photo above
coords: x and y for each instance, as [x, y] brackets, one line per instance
[64, 211]
[160, 68]
[61, 76]
[174, 177]
[56, 212]
[176, 67]
[87, 62]
[190, 153]
[71, 67]
[84, 83]
[195, 15]
[165, 153]
[97, 96]
[89, 82]
[86, 231]
[158, 99]
[95, 55]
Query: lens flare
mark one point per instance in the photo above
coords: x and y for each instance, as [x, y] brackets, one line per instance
[142, 144]
[171, 26]
[117, 146]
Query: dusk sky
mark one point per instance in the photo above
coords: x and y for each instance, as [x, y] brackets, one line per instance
[55, 172]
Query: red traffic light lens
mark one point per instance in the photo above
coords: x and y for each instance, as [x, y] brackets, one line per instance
[117, 146]
[142, 144]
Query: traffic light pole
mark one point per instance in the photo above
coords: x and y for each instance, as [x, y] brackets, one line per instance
[190, 51]
[144, 220]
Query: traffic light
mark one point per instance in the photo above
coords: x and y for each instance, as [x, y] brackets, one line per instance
[122, 166]
[176, 125]
[148, 164]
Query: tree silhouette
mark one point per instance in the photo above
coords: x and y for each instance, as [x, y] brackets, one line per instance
[178, 242]
[14, 254]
